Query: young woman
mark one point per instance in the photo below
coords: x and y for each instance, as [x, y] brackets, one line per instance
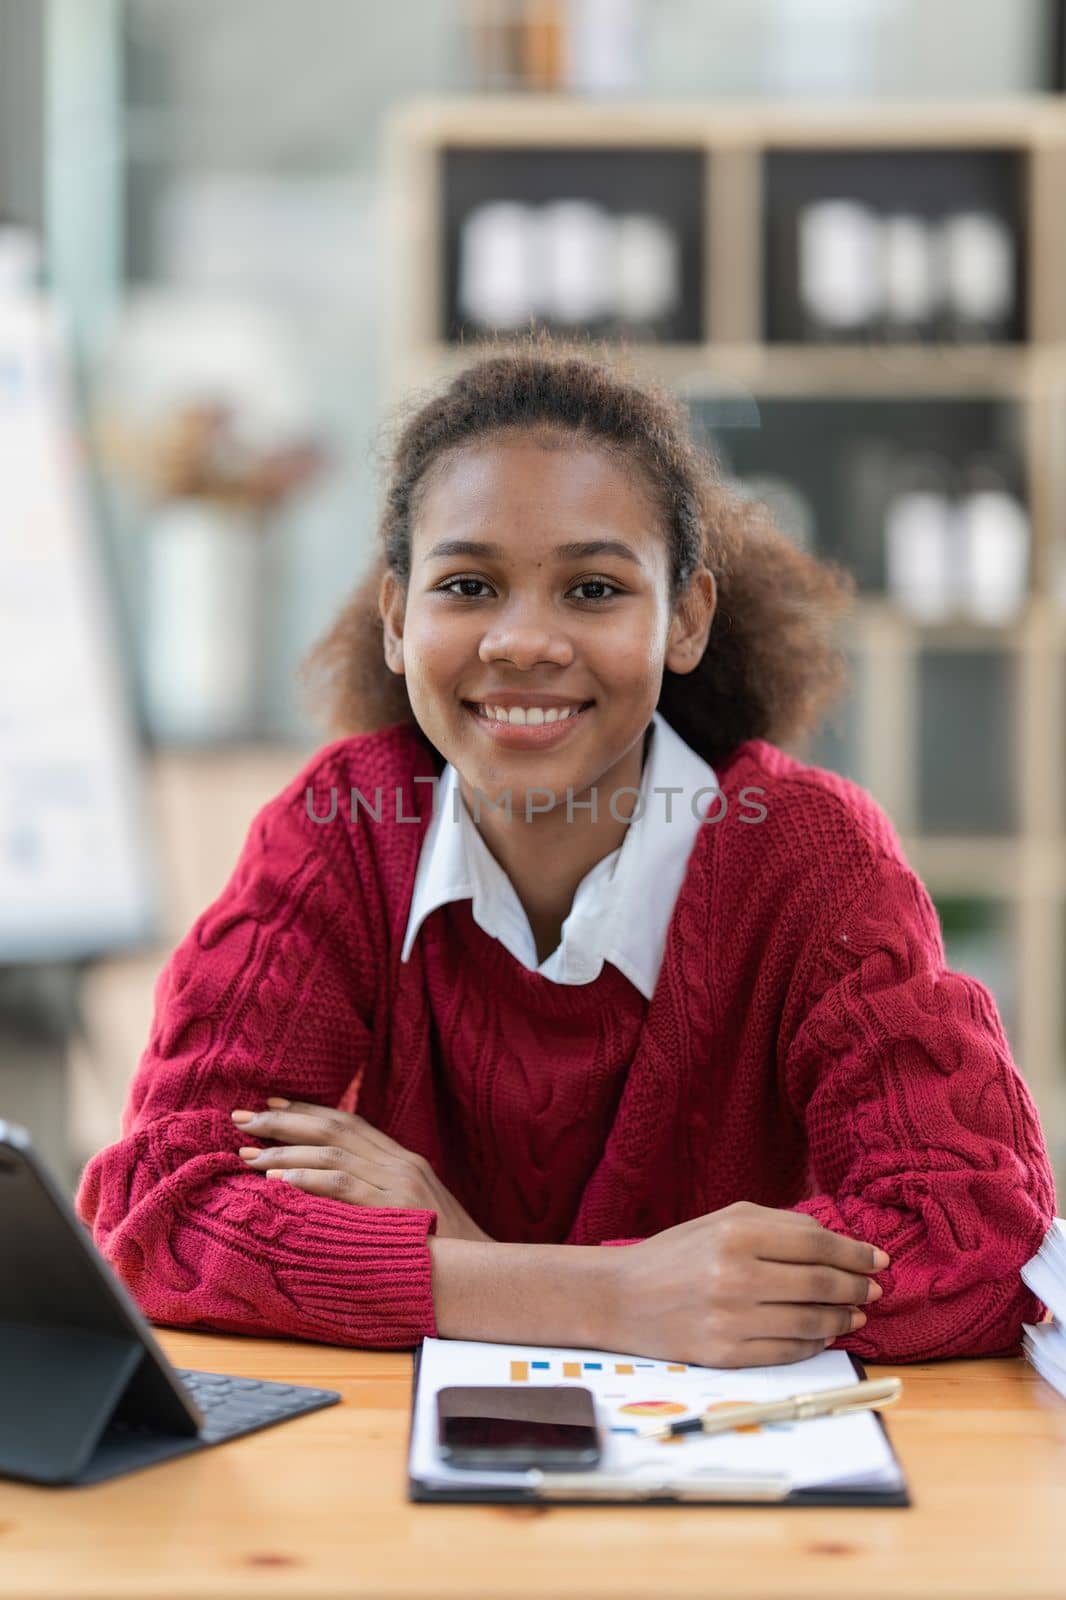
[490, 988]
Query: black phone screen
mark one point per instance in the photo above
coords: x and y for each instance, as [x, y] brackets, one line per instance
[545, 1426]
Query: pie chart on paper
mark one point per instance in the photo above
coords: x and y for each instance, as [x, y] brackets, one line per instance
[654, 1408]
[672, 1408]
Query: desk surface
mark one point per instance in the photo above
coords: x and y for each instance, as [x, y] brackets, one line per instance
[316, 1508]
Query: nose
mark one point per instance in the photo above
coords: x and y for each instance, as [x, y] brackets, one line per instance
[525, 641]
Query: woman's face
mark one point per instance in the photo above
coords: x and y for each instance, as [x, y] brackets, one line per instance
[518, 618]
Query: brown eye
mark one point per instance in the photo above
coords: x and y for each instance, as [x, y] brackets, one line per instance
[597, 583]
[446, 588]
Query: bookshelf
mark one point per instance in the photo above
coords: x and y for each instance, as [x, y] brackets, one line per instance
[956, 726]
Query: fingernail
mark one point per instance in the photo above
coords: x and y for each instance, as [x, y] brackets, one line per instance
[881, 1260]
[248, 1151]
[275, 1172]
[243, 1116]
[278, 1103]
[858, 1318]
[874, 1291]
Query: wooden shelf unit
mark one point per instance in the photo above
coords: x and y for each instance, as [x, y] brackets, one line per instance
[1026, 870]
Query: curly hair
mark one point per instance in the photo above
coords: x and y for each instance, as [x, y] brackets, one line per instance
[771, 666]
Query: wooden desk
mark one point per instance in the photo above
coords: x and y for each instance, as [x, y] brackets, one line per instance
[316, 1508]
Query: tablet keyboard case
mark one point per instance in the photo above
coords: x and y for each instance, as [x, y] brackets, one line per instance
[72, 1407]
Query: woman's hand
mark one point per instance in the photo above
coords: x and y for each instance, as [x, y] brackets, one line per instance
[340, 1155]
[744, 1286]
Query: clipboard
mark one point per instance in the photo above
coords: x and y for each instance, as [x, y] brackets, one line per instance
[725, 1493]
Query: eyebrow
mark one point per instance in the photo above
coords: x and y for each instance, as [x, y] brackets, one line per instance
[574, 549]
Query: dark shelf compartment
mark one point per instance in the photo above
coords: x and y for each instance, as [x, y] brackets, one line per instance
[926, 183]
[667, 183]
[844, 455]
[966, 767]
[836, 744]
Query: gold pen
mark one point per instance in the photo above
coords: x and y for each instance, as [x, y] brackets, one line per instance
[865, 1396]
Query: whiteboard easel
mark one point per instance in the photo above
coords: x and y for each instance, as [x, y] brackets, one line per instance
[76, 875]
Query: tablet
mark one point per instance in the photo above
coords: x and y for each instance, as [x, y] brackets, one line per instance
[86, 1391]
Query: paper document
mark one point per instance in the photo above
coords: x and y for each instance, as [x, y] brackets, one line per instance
[1045, 1274]
[846, 1452]
[1044, 1343]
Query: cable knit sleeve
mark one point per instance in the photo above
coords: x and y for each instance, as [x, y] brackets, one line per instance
[922, 1134]
[271, 992]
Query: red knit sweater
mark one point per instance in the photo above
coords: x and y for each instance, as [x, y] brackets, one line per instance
[805, 1048]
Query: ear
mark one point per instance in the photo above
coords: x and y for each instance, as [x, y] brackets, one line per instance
[691, 625]
[391, 607]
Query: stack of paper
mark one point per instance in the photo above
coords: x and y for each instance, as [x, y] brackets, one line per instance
[1045, 1343]
[842, 1452]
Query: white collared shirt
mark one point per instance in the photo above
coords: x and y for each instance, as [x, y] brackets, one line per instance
[622, 907]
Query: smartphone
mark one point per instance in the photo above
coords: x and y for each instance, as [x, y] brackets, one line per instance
[551, 1426]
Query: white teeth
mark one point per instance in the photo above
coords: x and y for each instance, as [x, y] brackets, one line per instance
[532, 716]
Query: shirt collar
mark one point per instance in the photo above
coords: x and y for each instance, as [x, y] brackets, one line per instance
[648, 868]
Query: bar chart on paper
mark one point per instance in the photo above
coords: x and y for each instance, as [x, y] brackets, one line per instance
[633, 1398]
[629, 1392]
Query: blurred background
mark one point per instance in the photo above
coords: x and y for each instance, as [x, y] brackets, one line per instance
[233, 234]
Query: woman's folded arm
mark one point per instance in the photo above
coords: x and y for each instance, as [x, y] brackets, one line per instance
[270, 993]
[923, 1136]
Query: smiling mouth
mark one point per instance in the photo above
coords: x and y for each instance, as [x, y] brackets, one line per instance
[527, 716]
